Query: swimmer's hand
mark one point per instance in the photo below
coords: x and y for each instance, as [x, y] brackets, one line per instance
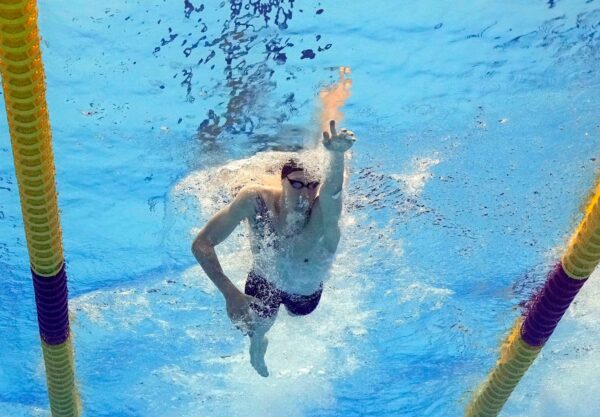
[338, 142]
[240, 313]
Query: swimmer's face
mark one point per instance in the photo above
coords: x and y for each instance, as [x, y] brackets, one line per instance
[302, 196]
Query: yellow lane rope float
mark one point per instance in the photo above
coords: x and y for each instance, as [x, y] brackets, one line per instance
[547, 308]
[29, 125]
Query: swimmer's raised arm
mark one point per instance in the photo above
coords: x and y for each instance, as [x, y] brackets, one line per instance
[330, 193]
[218, 228]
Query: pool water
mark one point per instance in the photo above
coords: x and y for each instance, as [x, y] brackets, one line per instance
[478, 146]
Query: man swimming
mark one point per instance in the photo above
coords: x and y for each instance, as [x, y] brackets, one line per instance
[294, 234]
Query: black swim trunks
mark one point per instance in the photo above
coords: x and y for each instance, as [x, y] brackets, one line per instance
[271, 297]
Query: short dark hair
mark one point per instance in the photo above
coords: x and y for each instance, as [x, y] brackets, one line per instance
[291, 165]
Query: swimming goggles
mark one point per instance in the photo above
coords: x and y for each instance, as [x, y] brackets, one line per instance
[298, 185]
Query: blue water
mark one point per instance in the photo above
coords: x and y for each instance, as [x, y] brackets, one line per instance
[478, 143]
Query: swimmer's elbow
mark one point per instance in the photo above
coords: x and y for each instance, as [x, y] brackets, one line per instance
[196, 248]
[200, 247]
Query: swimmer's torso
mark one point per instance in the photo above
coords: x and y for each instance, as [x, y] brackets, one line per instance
[288, 252]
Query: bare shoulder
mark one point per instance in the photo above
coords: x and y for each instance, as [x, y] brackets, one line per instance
[268, 194]
[246, 198]
[247, 192]
[251, 192]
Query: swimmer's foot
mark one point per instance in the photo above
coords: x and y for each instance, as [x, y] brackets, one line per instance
[258, 348]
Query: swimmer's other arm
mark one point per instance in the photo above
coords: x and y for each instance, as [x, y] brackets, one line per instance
[330, 194]
[216, 231]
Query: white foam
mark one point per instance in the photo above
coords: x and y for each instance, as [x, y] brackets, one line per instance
[413, 182]
[306, 355]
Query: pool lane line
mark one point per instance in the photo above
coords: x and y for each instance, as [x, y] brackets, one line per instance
[547, 307]
[23, 82]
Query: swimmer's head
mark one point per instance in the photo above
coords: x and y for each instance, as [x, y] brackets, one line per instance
[299, 187]
[291, 165]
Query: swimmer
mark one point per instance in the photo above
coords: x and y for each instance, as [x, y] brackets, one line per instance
[294, 233]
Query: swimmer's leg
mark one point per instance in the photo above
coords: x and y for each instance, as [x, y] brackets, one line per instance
[259, 343]
[264, 311]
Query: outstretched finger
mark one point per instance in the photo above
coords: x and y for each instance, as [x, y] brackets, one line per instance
[326, 136]
[332, 128]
